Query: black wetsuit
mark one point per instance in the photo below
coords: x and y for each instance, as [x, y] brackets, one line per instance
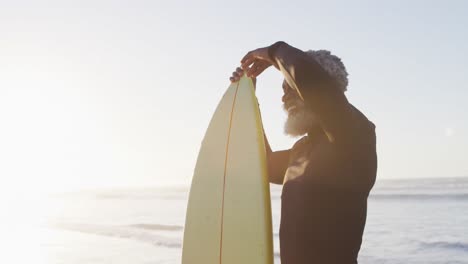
[328, 174]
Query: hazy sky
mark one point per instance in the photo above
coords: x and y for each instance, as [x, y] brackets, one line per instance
[119, 93]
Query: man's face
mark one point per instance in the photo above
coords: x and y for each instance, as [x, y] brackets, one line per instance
[300, 120]
[292, 103]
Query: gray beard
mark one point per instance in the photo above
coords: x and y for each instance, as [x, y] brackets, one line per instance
[299, 123]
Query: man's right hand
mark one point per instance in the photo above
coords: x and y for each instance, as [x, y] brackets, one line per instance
[237, 74]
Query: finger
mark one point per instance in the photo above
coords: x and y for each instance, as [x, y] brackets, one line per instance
[257, 70]
[253, 69]
[234, 79]
[240, 72]
[248, 55]
[248, 62]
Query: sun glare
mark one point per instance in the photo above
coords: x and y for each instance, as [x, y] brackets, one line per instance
[24, 228]
[33, 155]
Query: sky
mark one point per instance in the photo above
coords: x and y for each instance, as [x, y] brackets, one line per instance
[119, 93]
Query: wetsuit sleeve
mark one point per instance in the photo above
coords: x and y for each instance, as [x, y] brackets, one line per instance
[319, 91]
[277, 163]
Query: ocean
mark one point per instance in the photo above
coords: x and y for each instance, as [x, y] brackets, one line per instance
[409, 221]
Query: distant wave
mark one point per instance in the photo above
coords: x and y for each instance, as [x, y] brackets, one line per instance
[141, 196]
[158, 227]
[408, 196]
[458, 196]
[445, 245]
[127, 232]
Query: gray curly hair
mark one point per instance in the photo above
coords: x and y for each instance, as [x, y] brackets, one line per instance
[332, 65]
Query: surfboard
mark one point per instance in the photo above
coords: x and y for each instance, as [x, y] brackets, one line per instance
[228, 219]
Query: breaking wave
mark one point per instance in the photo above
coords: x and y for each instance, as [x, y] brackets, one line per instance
[135, 232]
[445, 245]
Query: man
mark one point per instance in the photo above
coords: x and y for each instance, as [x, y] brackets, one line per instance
[327, 175]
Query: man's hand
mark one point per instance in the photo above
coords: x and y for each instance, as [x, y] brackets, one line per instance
[236, 75]
[256, 61]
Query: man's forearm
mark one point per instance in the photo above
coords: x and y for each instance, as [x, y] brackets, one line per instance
[277, 162]
[277, 165]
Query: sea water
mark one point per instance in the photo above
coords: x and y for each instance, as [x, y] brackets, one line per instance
[409, 221]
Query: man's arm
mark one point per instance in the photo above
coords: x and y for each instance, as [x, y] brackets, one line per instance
[320, 92]
[277, 163]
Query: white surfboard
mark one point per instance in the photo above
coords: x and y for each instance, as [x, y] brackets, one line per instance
[228, 218]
